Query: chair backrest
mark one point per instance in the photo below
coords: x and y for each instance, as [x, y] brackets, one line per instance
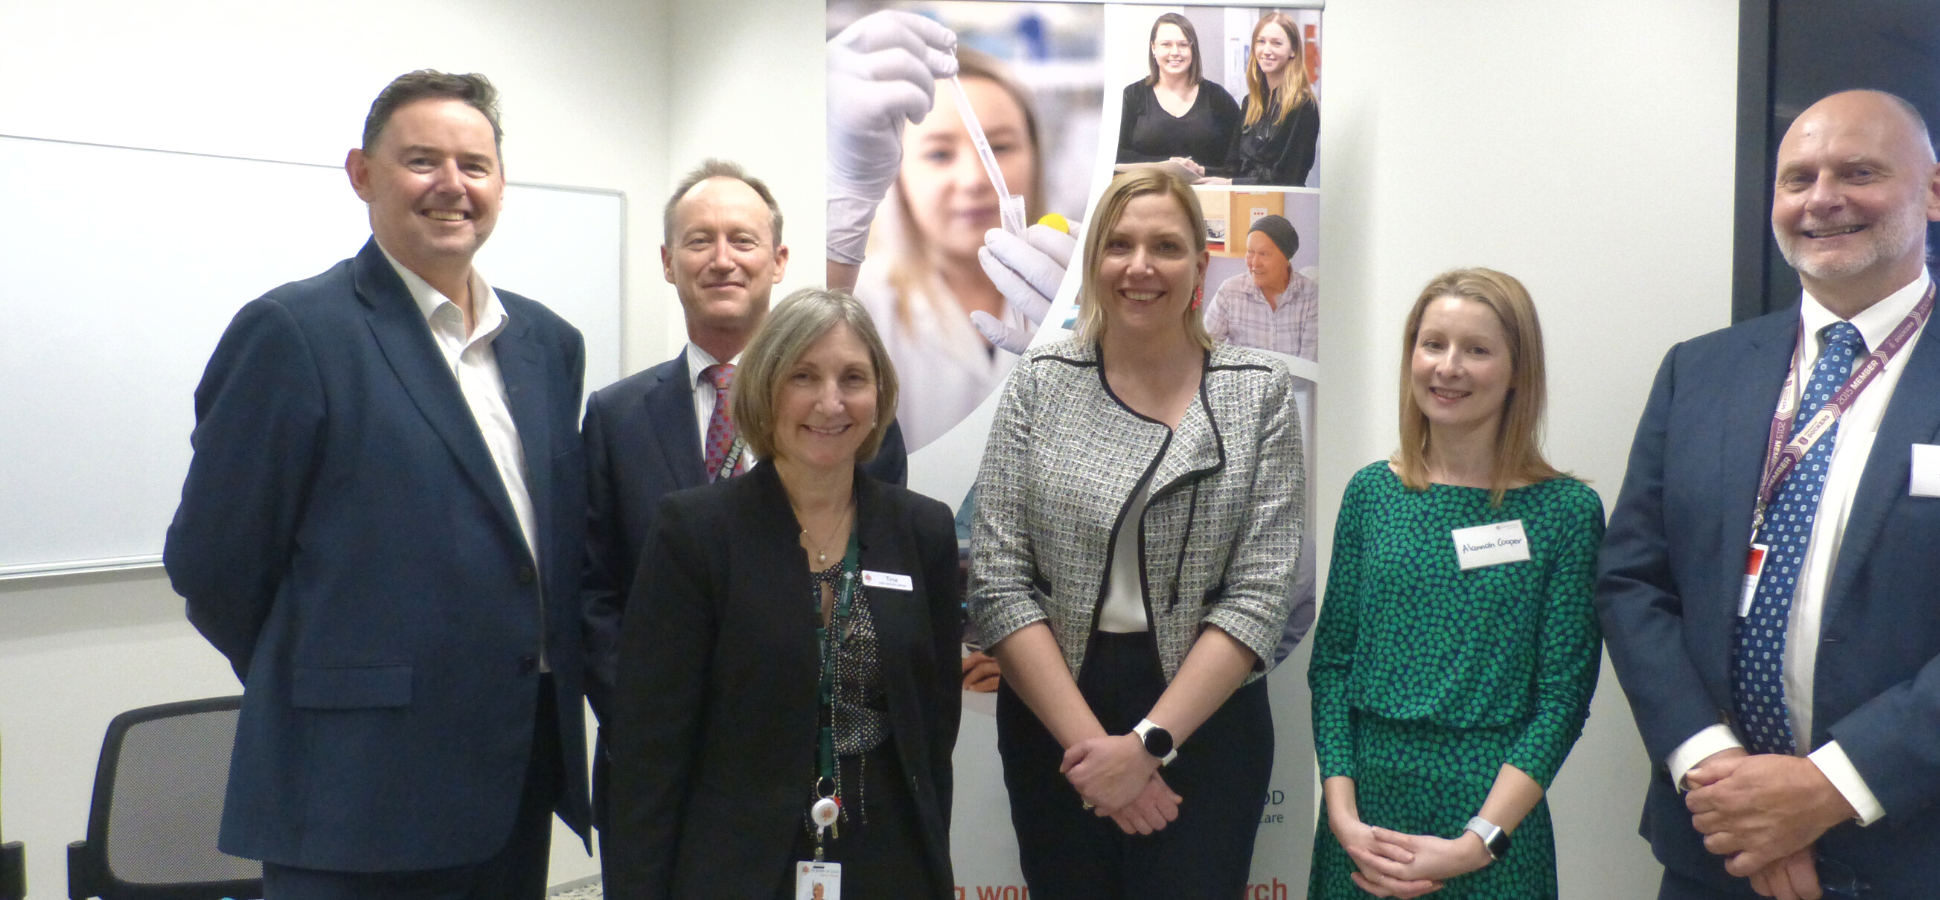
[158, 794]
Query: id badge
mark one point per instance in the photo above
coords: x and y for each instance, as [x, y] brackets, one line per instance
[1490, 545]
[1754, 567]
[818, 881]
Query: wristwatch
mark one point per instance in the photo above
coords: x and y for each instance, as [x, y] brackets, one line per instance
[1494, 839]
[1158, 741]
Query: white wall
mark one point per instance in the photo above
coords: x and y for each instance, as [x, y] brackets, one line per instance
[585, 103]
[1584, 146]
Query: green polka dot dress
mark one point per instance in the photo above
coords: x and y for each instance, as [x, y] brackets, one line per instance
[1427, 679]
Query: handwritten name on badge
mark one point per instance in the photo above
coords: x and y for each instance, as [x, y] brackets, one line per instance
[1491, 545]
[888, 580]
[1926, 471]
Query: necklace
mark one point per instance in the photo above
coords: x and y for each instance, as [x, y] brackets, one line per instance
[822, 554]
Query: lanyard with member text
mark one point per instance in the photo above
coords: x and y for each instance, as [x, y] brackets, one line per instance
[826, 806]
[1782, 456]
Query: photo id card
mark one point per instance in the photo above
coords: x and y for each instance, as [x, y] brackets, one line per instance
[1926, 471]
[818, 880]
[1491, 545]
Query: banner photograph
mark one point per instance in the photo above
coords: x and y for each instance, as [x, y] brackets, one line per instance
[959, 205]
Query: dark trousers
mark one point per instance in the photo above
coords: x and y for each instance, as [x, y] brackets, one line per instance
[1069, 853]
[880, 845]
[516, 872]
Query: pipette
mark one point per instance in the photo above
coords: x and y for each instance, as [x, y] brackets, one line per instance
[1010, 207]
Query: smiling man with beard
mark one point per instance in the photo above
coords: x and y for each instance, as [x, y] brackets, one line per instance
[1771, 615]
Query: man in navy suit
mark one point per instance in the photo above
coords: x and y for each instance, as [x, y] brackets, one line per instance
[1789, 698]
[382, 530]
[645, 434]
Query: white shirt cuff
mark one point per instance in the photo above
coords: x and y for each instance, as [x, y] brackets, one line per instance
[1697, 747]
[1832, 760]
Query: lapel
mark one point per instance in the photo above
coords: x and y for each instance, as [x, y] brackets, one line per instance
[522, 366]
[670, 407]
[1912, 417]
[884, 549]
[1748, 401]
[406, 342]
[1197, 448]
[772, 544]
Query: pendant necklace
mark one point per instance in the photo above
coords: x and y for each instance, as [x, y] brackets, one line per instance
[822, 554]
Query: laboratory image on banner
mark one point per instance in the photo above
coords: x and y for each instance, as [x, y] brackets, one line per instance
[1030, 73]
[1063, 96]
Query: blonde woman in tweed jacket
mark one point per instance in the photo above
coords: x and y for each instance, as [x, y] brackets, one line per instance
[1138, 519]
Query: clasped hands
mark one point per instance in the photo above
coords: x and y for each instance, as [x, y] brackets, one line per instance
[1393, 864]
[1764, 813]
[1119, 779]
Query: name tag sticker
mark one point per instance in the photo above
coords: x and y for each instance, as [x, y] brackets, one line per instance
[1491, 545]
[1926, 471]
[888, 580]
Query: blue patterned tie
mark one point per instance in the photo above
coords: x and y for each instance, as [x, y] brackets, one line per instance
[1757, 682]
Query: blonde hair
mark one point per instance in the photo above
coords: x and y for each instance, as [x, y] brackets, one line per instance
[1104, 218]
[1518, 454]
[912, 273]
[801, 319]
[1295, 89]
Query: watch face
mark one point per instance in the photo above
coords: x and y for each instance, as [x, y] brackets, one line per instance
[1158, 741]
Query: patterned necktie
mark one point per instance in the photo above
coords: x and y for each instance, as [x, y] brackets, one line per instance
[720, 428]
[1758, 667]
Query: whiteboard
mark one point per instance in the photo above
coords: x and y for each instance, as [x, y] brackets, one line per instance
[119, 269]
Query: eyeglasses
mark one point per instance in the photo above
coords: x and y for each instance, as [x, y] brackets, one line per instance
[1836, 879]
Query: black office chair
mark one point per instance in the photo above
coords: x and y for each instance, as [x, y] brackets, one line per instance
[157, 807]
[13, 871]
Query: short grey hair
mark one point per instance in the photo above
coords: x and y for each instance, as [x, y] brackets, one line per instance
[796, 323]
[720, 168]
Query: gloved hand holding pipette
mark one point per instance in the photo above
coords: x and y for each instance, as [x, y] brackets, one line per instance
[1028, 271]
[882, 72]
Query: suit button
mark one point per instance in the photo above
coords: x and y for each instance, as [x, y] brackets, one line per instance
[528, 665]
[526, 575]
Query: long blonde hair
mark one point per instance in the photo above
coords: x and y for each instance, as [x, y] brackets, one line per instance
[1518, 451]
[1295, 89]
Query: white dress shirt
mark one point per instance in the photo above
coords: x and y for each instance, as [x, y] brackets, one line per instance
[1851, 446]
[473, 363]
[697, 362]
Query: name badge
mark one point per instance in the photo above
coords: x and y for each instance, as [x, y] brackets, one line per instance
[1491, 545]
[1926, 471]
[818, 880]
[888, 580]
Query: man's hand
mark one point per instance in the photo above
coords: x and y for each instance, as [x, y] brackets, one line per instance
[1109, 772]
[1705, 772]
[1150, 810]
[981, 672]
[1758, 810]
[1795, 877]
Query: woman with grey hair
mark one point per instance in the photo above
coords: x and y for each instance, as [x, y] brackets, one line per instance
[787, 695]
[1137, 525]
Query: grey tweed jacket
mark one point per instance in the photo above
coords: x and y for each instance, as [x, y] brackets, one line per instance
[1221, 527]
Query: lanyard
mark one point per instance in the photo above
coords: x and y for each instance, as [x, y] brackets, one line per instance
[1782, 456]
[827, 638]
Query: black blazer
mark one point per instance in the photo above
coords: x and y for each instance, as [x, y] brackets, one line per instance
[716, 710]
[346, 541]
[641, 445]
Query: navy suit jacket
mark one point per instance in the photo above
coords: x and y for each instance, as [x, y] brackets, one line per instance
[345, 540]
[1672, 570]
[642, 443]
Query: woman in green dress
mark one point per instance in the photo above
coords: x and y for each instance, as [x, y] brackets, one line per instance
[1457, 648]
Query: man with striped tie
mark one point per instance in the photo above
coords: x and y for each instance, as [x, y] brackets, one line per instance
[667, 428]
[1770, 584]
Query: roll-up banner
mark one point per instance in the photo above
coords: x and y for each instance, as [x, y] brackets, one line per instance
[1065, 95]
